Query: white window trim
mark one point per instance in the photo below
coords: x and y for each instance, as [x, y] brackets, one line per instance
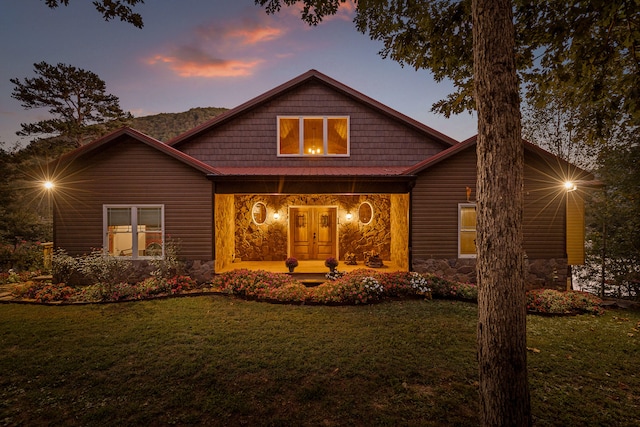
[134, 230]
[325, 141]
[460, 206]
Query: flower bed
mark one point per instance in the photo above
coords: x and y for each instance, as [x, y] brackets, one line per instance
[362, 286]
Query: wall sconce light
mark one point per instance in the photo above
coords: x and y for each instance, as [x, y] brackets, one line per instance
[276, 216]
[570, 186]
[349, 216]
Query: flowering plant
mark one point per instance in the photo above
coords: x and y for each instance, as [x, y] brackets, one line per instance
[291, 262]
[331, 262]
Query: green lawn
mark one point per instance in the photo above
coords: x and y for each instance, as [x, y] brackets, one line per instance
[222, 361]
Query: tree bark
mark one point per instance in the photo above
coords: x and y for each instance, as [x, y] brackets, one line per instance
[502, 357]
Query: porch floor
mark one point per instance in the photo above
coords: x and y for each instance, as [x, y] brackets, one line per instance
[306, 271]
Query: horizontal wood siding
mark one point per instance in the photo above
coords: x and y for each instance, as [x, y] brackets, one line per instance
[440, 189]
[251, 139]
[544, 209]
[434, 205]
[130, 173]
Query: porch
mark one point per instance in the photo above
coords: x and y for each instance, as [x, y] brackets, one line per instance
[311, 272]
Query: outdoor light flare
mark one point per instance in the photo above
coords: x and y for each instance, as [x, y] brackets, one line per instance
[49, 185]
[570, 186]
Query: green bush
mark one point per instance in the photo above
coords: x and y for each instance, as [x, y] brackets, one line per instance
[551, 301]
[25, 256]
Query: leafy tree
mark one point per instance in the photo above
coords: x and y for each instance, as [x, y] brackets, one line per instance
[110, 9]
[613, 253]
[76, 99]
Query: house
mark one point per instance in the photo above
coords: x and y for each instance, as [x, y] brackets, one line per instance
[310, 169]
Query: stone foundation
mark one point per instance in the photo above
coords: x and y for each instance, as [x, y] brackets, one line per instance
[540, 273]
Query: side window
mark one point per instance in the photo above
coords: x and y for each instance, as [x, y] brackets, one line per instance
[467, 230]
[313, 136]
[134, 231]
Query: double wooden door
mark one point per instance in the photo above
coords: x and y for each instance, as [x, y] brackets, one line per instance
[312, 232]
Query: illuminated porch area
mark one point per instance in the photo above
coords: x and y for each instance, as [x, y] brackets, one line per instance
[259, 231]
[308, 272]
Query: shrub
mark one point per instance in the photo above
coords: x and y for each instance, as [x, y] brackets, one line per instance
[180, 284]
[99, 267]
[63, 266]
[44, 292]
[551, 301]
[24, 256]
[171, 264]
[349, 289]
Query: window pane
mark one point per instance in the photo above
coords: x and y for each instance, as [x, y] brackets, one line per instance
[150, 217]
[313, 140]
[289, 136]
[337, 136]
[119, 216]
[149, 231]
[468, 218]
[119, 233]
[467, 242]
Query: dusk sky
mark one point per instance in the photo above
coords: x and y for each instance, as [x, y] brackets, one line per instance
[204, 53]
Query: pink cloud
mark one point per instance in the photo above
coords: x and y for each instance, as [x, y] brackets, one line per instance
[191, 61]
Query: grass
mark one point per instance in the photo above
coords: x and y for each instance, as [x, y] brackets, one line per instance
[223, 361]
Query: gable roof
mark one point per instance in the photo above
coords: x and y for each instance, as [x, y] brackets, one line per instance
[577, 172]
[124, 132]
[311, 75]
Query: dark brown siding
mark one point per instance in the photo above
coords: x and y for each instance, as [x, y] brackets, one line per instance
[251, 139]
[130, 172]
[544, 209]
[439, 189]
[435, 198]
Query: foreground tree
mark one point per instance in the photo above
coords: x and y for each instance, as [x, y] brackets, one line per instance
[502, 348]
[504, 393]
[76, 99]
[110, 9]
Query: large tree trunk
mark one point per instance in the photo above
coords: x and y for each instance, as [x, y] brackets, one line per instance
[502, 357]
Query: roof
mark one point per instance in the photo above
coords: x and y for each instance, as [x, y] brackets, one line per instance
[471, 142]
[121, 133]
[311, 75]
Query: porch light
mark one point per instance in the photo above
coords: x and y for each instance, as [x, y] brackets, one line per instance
[570, 186]
[48, 185]
[276, 216]
[349, 216]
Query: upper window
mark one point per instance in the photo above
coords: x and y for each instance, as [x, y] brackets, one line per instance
[313, 136]
[467, 230]
[134, 231]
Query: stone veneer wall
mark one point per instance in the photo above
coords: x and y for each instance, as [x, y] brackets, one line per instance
[224, 230]
[268, 241]
[400, 230]
[541, 273]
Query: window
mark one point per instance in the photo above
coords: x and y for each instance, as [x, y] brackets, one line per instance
[134, 231]
[313, 136]
[467, 230]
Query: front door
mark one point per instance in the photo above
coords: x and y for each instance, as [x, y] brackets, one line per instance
[312, 232]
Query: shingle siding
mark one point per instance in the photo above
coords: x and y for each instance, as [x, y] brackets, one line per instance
[251, 140]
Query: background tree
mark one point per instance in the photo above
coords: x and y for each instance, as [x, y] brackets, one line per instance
[110, 9]
[613, 225]
[76, 99]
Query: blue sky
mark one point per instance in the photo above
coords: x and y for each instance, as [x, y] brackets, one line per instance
[204, 53]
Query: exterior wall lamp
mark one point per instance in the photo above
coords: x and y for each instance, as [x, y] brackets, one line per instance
[276, 216]
[349, 216]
